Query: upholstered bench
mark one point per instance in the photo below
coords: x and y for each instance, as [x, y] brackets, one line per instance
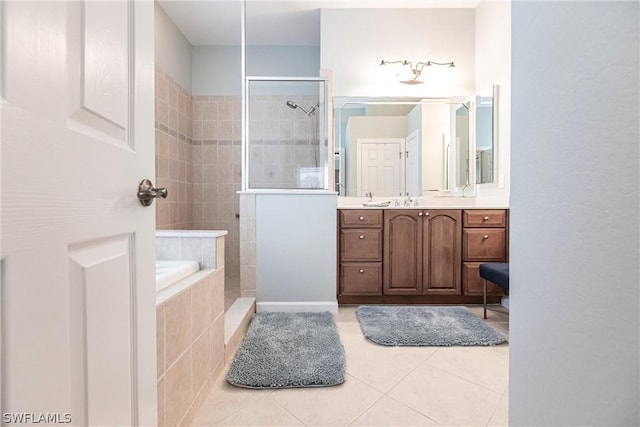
[498, 274]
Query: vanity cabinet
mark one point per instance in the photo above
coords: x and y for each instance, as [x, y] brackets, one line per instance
[484, 240]
[417, 255]
[422, 252]
[360, 252]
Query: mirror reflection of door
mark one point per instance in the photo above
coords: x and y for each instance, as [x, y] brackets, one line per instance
[380, 165]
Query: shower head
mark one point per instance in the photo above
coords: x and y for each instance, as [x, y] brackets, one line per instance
[291, 104]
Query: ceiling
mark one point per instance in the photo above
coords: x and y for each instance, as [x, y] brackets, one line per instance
[287, 22]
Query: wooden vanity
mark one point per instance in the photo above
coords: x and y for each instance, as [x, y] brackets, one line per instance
[418, 255]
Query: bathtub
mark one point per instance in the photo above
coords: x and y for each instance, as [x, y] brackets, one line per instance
[170, 272]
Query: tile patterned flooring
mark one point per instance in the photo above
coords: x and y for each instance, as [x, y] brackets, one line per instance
[385, 386]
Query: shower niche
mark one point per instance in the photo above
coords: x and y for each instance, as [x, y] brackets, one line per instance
[286, 129]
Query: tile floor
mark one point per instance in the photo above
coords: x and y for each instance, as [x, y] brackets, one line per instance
[385, 386]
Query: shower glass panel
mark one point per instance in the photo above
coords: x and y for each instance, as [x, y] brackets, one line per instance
[286, 143]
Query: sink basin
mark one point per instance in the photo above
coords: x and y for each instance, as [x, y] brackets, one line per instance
[372, 204]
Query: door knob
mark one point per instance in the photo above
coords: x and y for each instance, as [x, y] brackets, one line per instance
[146, 192]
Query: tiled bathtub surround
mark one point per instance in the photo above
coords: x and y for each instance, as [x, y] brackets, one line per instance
[217, 170]
[173, 152]
[190, 329]
[203, 246]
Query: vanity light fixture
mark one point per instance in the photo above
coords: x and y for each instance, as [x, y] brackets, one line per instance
[417, 71]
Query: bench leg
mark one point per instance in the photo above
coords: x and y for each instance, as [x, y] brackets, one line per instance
[484, 296]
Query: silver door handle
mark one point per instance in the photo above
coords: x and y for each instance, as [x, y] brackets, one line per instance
[146, 192]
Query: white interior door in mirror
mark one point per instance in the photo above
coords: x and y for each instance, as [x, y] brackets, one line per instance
[78, 248]
[381, 163]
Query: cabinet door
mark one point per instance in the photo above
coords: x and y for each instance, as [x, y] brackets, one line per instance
[402, 252]
[441, 258]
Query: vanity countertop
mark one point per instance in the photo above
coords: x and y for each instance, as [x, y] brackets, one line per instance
[428, 203]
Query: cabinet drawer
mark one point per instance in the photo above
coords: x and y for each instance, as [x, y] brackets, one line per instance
[361, 278]
[483, 244]
[472, 282]
[360, 218]
[361, 245]
[485, 218]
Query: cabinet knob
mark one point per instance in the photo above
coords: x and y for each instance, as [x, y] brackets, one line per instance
[486, 218]
[361, 271]
[420, 214]
[361, 218]
[426, 214]
[485, 237]
[361, 237]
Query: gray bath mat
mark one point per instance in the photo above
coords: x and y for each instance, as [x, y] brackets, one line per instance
[284, 350]
[425, 326]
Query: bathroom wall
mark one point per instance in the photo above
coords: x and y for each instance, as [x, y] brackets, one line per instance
[174, 111]
[174, 156]
[354, 41]
[217, 170]
[575, 222]
[172, 49]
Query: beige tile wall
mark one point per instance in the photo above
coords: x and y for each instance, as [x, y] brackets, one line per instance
[281, 142]
[190, 346]
[173, 153]
[198, 153]
[217, 170]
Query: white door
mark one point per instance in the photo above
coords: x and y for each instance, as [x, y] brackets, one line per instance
[412, 156]
[380, 166]
[77, 291]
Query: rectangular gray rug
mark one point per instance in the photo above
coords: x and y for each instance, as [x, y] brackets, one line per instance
[402, 325]
[286, 350]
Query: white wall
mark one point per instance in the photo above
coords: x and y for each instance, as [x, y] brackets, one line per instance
[296, 252]
[574, 326]
[493, 66]
[354, 41]
[217, 71]
[172, 49]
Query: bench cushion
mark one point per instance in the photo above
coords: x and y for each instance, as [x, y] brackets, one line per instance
[496, 272]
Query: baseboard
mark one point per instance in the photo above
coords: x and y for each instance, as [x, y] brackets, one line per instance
[298, 306]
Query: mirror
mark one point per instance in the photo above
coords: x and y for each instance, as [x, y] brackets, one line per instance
[400, 146]
[463, 139]
[486, 116]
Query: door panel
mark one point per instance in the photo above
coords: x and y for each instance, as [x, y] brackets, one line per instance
[380, 166]
[100, 46]
[78, 294]
[101, 290]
